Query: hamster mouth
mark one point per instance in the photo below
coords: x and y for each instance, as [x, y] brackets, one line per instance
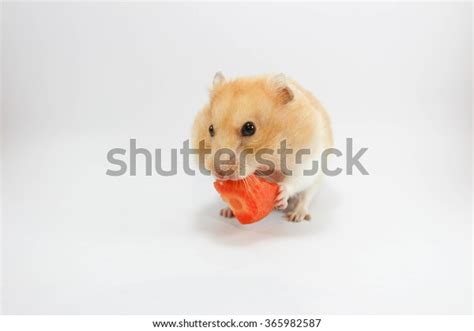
[272, 175]
[231, 177]
[239, 173]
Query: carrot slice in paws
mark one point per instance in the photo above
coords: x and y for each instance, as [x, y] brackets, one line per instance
[250, 200]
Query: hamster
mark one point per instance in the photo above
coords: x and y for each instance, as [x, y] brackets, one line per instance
[260, 113]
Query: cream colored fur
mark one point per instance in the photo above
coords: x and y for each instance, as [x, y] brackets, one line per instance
[281, 110]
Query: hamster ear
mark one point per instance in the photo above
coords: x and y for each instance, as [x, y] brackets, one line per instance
[218, 79]
[280, 85]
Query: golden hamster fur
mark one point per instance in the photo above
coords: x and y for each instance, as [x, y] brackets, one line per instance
[260, 113]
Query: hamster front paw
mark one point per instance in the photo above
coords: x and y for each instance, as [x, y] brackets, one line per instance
[227, 212]
[281, 202]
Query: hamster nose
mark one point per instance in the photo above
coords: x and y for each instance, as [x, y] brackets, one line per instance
[227, 158]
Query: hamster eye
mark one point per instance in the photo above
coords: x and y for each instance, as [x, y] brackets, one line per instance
[248, 129]
[211, 130]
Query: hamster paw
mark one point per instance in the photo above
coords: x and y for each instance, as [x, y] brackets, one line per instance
[298, 215]
[281, 201]
[227, 212]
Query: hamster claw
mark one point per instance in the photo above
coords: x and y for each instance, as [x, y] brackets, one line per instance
[227, 212]
[298, 216]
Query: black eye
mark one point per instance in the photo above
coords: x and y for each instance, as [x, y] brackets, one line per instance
[211, 130]
[248, 129]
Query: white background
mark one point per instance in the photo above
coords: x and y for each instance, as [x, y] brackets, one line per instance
[80, 79]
